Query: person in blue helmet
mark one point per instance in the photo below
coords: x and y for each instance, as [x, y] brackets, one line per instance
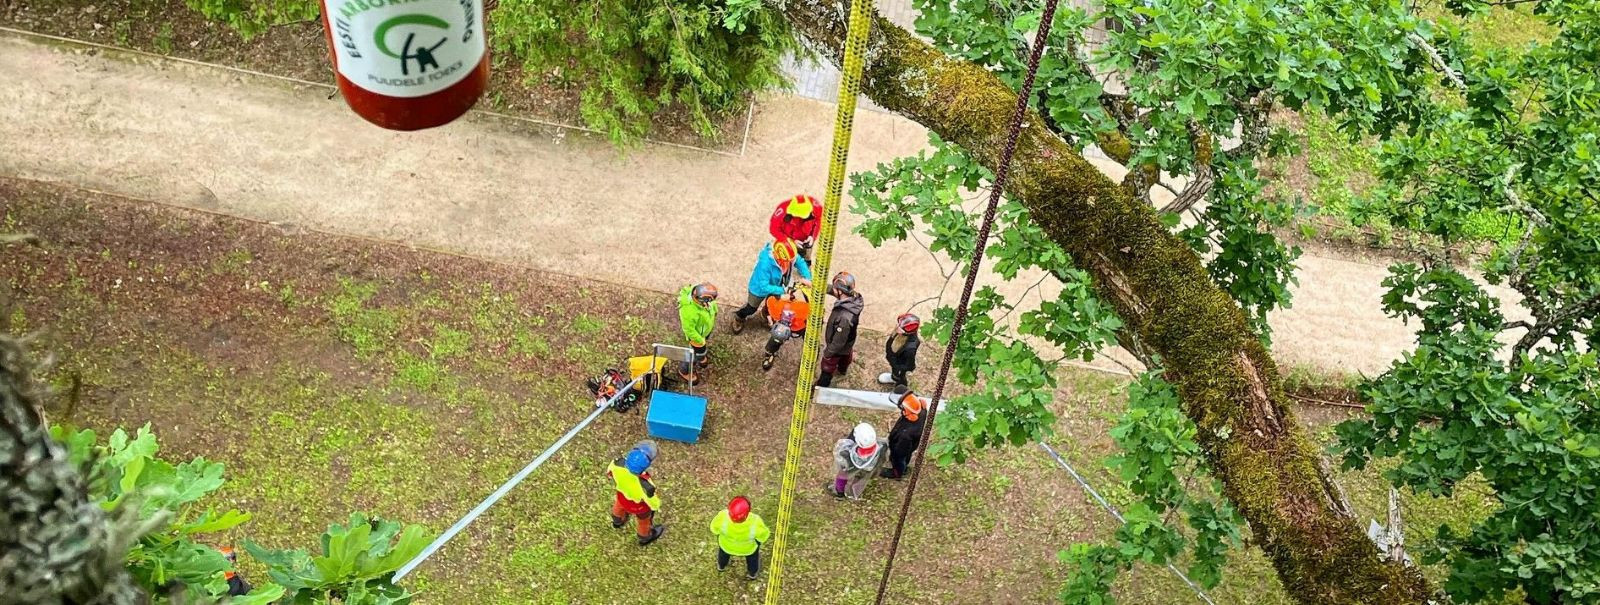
[636, 494]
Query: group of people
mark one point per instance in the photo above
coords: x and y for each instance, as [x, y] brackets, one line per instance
[777, 289]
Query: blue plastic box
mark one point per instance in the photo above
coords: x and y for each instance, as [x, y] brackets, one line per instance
[676, 416]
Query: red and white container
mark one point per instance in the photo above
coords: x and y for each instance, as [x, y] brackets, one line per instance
[408, 64]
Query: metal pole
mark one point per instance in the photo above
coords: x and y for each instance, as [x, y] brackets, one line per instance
[505, 488]
[1118, 516]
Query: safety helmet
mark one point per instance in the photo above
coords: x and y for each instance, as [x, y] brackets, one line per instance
[739, 509]
[866, 439]
[910, 406]
[843, 284]
[784, 251]
[637, 461]
[704, 293]
[908, 323]
[802, 206]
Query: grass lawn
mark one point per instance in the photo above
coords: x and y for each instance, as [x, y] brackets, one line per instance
[334, 374]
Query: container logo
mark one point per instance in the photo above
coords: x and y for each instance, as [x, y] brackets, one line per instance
[406, 48]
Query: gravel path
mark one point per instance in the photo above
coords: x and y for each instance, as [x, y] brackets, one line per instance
[655, 217]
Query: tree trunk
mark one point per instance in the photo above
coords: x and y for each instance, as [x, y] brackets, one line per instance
[1228, 383]
[56, 547]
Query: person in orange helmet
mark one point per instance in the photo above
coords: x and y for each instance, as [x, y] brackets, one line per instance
[906, 434]
[798, 218]
[237, 587]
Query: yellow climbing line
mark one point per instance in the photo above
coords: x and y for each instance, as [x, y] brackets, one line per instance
[849, 88]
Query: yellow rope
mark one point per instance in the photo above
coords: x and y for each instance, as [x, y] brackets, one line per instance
[849, 88]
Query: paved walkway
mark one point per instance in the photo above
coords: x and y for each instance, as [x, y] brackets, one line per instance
[819, 80]
[655, 218]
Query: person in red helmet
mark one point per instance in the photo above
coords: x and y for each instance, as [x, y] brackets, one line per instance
[740, 534]
[798, 218]
[901, 350]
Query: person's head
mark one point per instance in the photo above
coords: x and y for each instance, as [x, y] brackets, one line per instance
[843, 285]
[866, 439]
[802, 207]
[227, 553]
[910, 405]
[783, 253]
[705, 294]
[636, 462]
[739, 509]
[908, 323]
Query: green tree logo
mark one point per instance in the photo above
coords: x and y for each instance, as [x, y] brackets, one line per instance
[422, 55]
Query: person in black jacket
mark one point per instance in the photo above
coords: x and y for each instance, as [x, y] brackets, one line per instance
[906, 434]
[901, 350]
[841, 329]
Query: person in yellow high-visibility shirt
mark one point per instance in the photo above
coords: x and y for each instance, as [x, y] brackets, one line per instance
[740, 534]
[636, 495]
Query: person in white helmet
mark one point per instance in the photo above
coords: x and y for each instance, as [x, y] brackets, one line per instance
[857, 458]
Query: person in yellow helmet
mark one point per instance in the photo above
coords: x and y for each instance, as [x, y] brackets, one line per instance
[798, 218]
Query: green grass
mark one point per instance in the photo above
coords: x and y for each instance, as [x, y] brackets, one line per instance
[403, 393]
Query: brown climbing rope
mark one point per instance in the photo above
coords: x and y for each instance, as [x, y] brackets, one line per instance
[1036, 50]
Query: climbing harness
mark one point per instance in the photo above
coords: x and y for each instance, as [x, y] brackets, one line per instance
[1118, 516]
[505, 488]
[996, 189]
[855, 46]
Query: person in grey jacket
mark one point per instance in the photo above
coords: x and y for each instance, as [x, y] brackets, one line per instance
[840, 333]
[857, 459]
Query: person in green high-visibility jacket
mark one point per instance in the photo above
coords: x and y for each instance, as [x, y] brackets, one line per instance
[740, 534]
[697, 313]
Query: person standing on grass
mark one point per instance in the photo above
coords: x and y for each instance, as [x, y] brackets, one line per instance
[901, 351]
[840, 333]
[771, 278]
[237, 586]
[799, 219]
[697, 314]
[857, 458]
[636, 494]
[906, 434]
[740, 534]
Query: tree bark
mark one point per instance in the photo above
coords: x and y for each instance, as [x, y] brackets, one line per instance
[1269, 468]
[56, 547]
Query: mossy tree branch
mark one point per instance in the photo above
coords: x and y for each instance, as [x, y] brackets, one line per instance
[1228, 382]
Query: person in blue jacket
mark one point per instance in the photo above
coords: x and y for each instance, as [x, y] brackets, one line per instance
[777, 261]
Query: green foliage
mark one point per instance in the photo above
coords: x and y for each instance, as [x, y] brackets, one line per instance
[355, 567]
[631, 60]
[251, 17]
[1451, 410]
[125, 472]
[1158, 463]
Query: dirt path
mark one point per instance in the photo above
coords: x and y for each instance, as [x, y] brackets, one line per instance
[655, 218]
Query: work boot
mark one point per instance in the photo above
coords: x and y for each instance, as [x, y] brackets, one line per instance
[752, 576]
[655, 534]
[886, 378]
[766, 364]
[618, 522]
[889, 473]
[833, 492]
[738, 323]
